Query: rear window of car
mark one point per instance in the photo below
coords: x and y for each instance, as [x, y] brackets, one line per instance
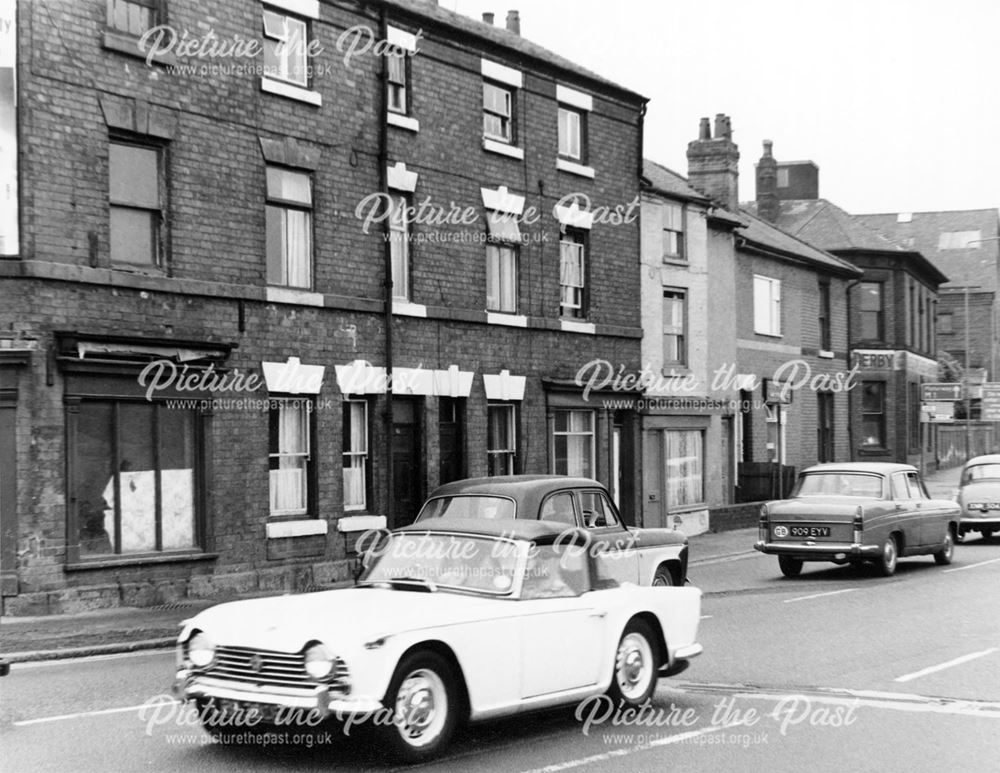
[839, 484]
[493, 508]
[981, 472]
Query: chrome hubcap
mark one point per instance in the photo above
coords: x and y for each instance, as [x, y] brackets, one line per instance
[421, 707]
[633, 666]
[890, 553]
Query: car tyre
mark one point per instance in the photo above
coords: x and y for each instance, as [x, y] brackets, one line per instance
[663, 577]
[889, 558]
[790, 567]
[424, 700]
[947, 552]
[987, 535]
[637, 662]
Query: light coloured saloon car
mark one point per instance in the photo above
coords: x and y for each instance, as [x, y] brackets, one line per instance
[640, 555]
[979, 496]
[858, 512]
[452, 621]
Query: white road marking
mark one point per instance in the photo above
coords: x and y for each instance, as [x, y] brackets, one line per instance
[971, 566]
[79, 715]
[820, 595]
[616, 753]
[943, 666]
[723, 559]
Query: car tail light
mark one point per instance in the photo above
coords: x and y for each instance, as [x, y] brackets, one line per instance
[762, 524]
[858, 524]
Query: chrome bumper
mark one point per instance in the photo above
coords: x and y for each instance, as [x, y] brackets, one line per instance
[190, 686]
[819, 551]
[975, 523]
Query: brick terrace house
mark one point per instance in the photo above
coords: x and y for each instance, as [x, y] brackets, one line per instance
[964, 245]
[687, 425]
[206, 229]
[790, 299]
[892, 310]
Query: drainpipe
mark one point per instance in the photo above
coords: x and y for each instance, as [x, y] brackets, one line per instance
[850, 407]
[383, 179]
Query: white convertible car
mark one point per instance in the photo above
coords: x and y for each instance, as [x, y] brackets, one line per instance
[456, 621]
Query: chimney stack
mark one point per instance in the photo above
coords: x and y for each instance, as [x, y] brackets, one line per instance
[488, 18]
[514, 22]
[767, 185]
[713, 163]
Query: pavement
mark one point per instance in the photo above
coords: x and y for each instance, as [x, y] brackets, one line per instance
[126, 629]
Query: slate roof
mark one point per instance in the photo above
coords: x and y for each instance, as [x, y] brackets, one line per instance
[772, 238]
[499, 36]
[823, 223]
[660, 179]
[974, 265]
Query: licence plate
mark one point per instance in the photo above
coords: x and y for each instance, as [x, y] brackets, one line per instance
[809, 531]
[984, 505]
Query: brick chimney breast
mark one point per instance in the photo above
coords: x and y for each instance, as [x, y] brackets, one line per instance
[768, 206]
[514, 22]
[713, 163]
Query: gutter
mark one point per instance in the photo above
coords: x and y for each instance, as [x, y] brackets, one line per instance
[383, 184]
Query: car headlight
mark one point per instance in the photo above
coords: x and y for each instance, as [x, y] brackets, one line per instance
[319, 661]
[200, 650]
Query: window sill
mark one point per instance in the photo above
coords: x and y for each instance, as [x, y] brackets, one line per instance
[349, 524]
[768, 335]
[142, 559]
[506, 318]
[503, 149]
[408, 309]
[129, 268]
[402, 121]
[290, 91]
[309, 8]
[127, 44]
[304, 527]
[577, 326]
[825, 354]
[565, 165]
[677, 262]
[293, 295]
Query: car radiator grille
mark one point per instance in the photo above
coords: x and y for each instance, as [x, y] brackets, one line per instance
[267, 667]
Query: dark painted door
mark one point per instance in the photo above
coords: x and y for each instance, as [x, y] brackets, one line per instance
[407, 461]
[451, 412]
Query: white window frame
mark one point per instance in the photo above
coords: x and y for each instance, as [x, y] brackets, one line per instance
[590, 432]
[506, 120]
[284, 53]
[306, 416]
[509, 453]
[154, 210]
[673, 229]
[572, 297]
[570, 130]
[680, 335]
[673, 469]
[498, 280]
[766, 305]
[357, 459]
[283, 206]
[399, 245]
[398, 97]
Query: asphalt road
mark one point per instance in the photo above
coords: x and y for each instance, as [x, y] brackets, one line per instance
[836, 670]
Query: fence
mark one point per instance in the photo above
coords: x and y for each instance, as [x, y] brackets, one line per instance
[983, 439]
[759, 481]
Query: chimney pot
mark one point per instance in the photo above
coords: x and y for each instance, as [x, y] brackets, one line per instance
[514, 22]
[488, 17]
[704, 130]
[768, 205]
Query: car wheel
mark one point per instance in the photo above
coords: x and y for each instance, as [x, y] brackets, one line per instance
[636, 665]
[947, 551]
[663, 577]
[890, 555]
[987, 534]
[960, 536]
[424, 702]
[790, 567]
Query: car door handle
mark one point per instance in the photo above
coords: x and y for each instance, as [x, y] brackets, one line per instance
[599, 614]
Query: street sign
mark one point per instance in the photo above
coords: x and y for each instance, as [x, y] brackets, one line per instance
[991, 402]
[940, 392]
[938, 412]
